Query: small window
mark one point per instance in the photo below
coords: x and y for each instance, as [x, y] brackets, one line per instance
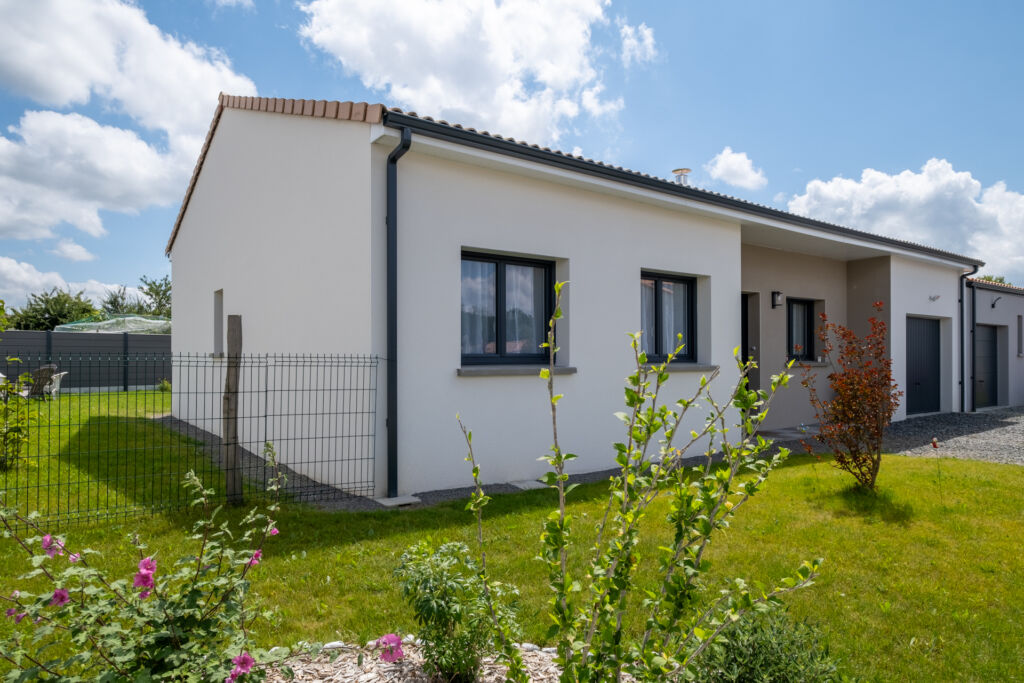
[668, 310]
[800, 324]
[218, 321]
[506, 305]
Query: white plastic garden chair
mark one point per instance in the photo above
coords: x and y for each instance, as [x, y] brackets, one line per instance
[53, 386]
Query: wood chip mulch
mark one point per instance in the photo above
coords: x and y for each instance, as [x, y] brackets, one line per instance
[345, 667]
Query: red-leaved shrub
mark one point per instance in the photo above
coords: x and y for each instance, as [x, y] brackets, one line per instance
[852, 423]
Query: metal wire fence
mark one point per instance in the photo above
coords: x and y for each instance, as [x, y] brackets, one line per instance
[116, 434]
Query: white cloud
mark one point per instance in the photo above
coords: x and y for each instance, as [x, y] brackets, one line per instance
[520, 67]
[637, 44]
[937, 206]
[72, 251]
[735, 168]
[247, 4]
[19, 279]
[64, 167]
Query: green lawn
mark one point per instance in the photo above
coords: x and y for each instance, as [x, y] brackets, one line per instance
[103, 452]
[926, 582]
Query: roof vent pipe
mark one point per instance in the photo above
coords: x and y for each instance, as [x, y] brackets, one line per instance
[681, 175]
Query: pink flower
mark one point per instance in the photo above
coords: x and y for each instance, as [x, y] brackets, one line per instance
[392, 645]
[144, 594]
[74, 557]
[274, 531]
[243, 663]
[19, 617]
[256, 558]
[147, 566]
[52, 546]
[143, 580]
[12, 611]
[60, 597]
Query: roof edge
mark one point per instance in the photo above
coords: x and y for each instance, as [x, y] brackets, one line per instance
[395, 118]
[342, 111]
[995, 286]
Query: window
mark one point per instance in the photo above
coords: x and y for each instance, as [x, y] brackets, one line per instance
[1020, 335]
[800, 324]
[667, 310]
[218, 322]
[506, 305]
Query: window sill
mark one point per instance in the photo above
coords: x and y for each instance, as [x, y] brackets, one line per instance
[811, 364]
[687, 367]
[509, 370]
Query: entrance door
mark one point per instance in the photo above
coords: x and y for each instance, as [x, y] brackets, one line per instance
[923, 369]
[986, 387]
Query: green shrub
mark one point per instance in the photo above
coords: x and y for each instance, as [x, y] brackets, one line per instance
[682, 620]
[164, 385]
[447, 595]
[769, 647]
[16, 416]
[181, 619]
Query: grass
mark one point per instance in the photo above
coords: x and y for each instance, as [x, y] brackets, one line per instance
[923, 582]
[95, 452]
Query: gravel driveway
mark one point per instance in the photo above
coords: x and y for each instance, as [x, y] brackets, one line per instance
[995, 435]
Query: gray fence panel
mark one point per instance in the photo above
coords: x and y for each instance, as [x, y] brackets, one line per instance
[91, 360]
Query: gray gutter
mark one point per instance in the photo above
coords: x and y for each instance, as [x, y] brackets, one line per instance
[963, 346]
[462, 136]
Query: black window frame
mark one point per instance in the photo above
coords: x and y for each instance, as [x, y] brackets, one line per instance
[689, 352]
[500, 262]
[808, 345]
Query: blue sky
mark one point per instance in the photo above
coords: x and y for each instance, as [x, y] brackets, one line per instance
[897, 118]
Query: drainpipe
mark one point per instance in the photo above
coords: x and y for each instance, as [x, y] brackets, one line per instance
[392, 314]
[974, 356]
[963, 347]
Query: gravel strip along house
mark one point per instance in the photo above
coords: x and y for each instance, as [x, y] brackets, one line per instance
[342, 227]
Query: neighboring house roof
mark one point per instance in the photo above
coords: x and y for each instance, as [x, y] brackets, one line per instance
[394, 117]
[997, 286]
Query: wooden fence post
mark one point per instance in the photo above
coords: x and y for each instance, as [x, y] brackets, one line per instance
[229, 436]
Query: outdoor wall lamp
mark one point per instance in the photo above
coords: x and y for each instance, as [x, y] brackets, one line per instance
[776, 299]
[995, 300]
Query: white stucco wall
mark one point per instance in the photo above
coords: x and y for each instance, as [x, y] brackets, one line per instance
[927, 290]
[280, 220]
[600, 244]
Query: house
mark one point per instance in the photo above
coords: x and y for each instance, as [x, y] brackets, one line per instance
[995, 344]
[348, 227]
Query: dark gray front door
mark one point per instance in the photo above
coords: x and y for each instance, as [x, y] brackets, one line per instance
[986, 388]
[923, 370]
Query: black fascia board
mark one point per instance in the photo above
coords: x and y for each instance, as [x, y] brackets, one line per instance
[440, 131]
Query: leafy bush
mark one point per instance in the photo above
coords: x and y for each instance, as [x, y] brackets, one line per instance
[16, 416]
[853, 422]
[164, 386]
[46, 310]
[183, 619]
[589, 610]
[769, 647]
[448, 596]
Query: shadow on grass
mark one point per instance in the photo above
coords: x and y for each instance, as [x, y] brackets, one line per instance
[854, 501]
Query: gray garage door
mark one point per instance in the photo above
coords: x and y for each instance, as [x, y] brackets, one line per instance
[986, 387]
[923, 371]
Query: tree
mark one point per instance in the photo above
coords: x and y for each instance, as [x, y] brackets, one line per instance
[853, 422]
[46, 310]
[117, 301]
[159, 294]
[998, 279]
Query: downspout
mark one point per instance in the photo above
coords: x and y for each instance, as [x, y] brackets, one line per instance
[392, 313]
[963, 346]
[974, 356]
